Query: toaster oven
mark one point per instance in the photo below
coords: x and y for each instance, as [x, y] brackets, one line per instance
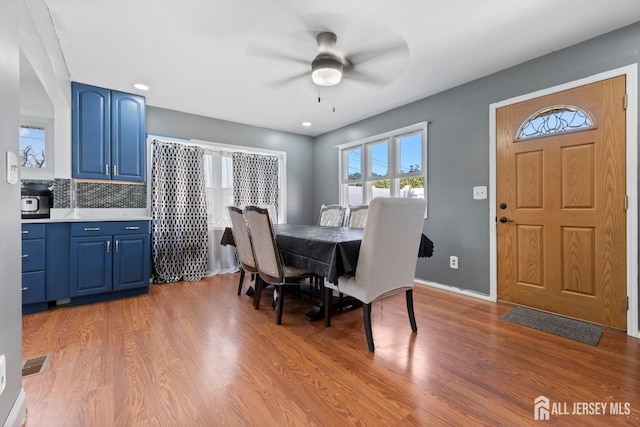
[35, 201]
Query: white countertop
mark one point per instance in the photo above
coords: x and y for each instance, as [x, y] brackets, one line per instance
[81, 215]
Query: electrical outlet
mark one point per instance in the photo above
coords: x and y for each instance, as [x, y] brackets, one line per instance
[3, 372]
[453, 262]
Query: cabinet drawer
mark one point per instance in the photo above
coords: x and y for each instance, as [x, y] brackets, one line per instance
[33, 255]
[33, 289]
[32, 231]
[106, 228]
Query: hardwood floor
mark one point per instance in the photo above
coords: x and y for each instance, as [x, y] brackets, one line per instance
[196, 354]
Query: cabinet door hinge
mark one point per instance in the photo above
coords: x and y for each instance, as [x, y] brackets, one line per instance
[626, 203]
[627, 303]
[625, 101]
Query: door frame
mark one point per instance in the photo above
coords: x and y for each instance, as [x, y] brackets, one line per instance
[631, 73]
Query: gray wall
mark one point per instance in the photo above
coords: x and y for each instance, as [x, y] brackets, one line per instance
[299, 150]
[458, 151]
[10, 297]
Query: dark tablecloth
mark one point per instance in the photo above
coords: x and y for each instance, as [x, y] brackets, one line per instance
[330, 252]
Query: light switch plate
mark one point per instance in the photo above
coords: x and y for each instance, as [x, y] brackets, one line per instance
[480, 193]
[12, 167]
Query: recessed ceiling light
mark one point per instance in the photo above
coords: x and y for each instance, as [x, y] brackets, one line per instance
[306, 124]
[141, 86]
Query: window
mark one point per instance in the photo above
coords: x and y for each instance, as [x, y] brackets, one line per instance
[35, 152]
[219, 181]
[559, 118]
[386, 165]
[218, 172]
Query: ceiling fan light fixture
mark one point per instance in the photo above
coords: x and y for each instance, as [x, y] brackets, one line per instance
[326, 70]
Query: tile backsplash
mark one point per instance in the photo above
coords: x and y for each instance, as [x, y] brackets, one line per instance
[70, 193]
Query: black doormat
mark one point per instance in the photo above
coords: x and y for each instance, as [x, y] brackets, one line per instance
[558, 325]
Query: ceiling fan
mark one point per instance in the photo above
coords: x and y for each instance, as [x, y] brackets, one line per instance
[330, 67]
[327, 68]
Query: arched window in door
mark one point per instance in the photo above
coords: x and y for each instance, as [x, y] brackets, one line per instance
[555, 119]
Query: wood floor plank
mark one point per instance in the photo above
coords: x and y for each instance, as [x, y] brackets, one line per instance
[196, 354]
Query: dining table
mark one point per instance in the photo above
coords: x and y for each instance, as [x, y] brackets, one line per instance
[329, 252]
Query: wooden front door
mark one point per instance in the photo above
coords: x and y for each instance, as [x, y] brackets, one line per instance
[561, 195]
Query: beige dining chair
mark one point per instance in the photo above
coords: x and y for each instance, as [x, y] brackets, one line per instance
[387, 258]
[357, 216]
[332, 215]
[265, 251]
[242, 243]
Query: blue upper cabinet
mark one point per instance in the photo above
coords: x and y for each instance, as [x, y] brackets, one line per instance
[108, 134]
[128, 137]
[91, 132]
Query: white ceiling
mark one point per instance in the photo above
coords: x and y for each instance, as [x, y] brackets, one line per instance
[223, 58]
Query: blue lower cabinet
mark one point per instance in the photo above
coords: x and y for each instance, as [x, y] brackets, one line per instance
[83, 262]
[57, 263]
[33, 268]
[130, 267]
[33, 290]
[91, 265]
[109, 257]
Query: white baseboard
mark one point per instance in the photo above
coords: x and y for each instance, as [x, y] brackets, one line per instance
[456, 290]
[18, 415]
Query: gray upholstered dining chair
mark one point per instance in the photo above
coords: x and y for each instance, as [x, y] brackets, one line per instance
[357, 216]
[387, 258]
[332, 215]
[265, 251]
[242, 243]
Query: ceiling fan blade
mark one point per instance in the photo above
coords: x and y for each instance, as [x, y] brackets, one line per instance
[389, 52]
[361, 77]
[272, 54]
[278, 83]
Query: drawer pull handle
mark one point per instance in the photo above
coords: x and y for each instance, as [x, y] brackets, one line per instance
[25, 231]
[132, 228]
[25, 256]
[92, 229]
[25, 289]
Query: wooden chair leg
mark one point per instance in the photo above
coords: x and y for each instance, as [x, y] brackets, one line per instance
[259, 286]
[328, 302]
[241, 281]
[280, 305]
[251, 291]
[412, 316]
[366, 312]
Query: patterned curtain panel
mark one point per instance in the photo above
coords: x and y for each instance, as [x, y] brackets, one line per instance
[255, 180]
[179, 213]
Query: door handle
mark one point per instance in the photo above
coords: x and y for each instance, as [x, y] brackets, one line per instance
[504, 219]
[108, 245]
